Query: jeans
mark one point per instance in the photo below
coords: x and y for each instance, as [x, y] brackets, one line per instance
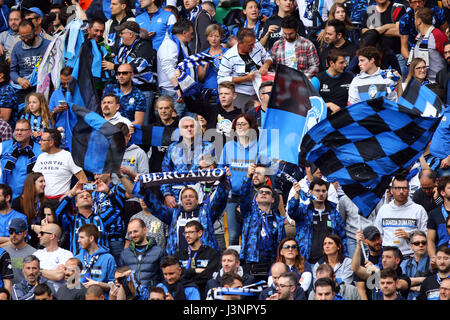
[234, 226]
[402, 62]
[150, 114]
[116, 248]
[351, 246]
[180, 108]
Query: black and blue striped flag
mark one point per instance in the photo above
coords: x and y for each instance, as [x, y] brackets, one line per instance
[96, 145]
[364, 145]
[82, 84]
[153, 135]
[294, 107]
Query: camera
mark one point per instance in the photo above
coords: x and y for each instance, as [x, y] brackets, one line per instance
[89, 186]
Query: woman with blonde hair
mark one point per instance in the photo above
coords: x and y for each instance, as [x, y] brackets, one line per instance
[36, 111]
[417, 70]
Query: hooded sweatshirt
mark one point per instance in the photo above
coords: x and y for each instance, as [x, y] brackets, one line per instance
[409, 217]
[100, 266]
[369, 86]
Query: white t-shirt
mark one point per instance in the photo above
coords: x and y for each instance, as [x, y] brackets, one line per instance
[289, 53]
[50, 260]
[58, 169]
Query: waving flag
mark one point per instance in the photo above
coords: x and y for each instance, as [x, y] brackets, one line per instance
[294, 108]
[152, 135]
[96, 145]
[365, 144]
[187, 82]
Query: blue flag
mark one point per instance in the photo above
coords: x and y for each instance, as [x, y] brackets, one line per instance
[82, 85]
[294, 107]
[152, 135]
[96, 145]
[365, 144]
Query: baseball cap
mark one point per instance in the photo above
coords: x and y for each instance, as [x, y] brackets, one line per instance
[370, 232]
[17, 224]
[130, 25]
[37, 11]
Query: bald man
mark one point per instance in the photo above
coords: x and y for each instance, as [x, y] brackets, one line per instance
[427, 196]
[52, 258]
[277, 269]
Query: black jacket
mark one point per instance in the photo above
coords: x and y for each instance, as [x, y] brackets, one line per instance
[205, 257]
[216, 280]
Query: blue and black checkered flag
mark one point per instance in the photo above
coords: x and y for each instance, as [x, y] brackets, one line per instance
[364, 145]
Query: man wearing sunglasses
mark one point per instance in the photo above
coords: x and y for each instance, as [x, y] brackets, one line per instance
[132, 100]
[18, 249]
[263, 228]
[52, 258]
[399, 217]
[418, 266]
[25, 55]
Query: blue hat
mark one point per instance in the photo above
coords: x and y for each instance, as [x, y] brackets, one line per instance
[37, 11]
[17, 224]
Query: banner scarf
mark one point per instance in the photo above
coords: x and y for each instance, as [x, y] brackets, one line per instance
[159, 178]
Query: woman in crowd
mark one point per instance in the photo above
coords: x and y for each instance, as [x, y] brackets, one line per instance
[338, 11]
[289, 254]
[237, 155]
[418, 71]
[333, 254]
[208, 73]
[250, 13]
[30, 201]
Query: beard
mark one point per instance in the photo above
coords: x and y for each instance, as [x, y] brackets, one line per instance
[3, 205]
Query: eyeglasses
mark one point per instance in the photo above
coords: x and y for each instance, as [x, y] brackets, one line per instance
[12, 231]
[189, 232]
[123, 73]
[421, 68]
[241, 124]
[427, 188]
[43, 232]
[293, 247]
[27, 37]
[400, 188]
[264, 192]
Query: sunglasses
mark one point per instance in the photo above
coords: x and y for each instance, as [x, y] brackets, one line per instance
[43, 232]
[12, 231]
[264, 192]
[124, 73]
[293, 247]
[417, 243]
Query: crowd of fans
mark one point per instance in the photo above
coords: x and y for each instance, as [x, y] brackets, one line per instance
[269, 229]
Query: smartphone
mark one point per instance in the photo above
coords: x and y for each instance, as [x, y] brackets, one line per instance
[62, 102]
[89, 186]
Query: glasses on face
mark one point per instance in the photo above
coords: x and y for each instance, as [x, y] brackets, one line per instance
[400, 188]
[419, 243]
[27, 37]
[421, 68]
[12, 231]
[189, 232]
[293, 247]
[428, 188]
[241, 124]
[124, 73]
[264, 192]
[43, 232]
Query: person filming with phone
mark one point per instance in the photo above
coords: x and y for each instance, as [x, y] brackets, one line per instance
[97, 203]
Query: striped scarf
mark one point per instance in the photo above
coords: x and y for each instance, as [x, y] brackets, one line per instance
[17, 152]
[250, 290]
[188, 83]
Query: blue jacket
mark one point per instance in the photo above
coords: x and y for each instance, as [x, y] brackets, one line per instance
[303, 216]
[145, 263]
[23, 291]
[157, 23]
[208, 213]
[18, 175]
[251, 229]
[102, 269]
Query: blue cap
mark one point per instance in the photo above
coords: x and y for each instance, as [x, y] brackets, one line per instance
[18, 225]
[37, 11]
